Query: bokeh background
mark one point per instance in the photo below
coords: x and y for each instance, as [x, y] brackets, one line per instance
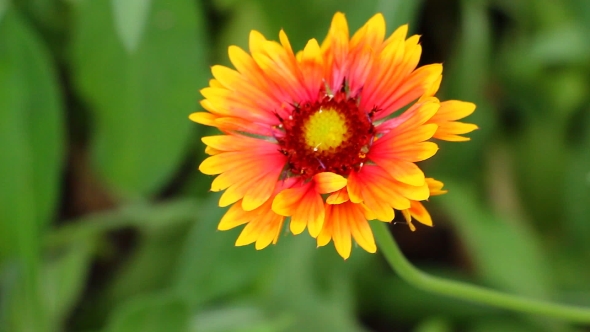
[107, 225]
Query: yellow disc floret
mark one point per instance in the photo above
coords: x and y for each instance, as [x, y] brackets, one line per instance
[325, 129]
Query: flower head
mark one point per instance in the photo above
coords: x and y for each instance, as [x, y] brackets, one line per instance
[317, 136]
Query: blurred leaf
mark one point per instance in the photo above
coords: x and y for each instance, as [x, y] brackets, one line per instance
[240, 318]
[63, 280]
[565, 43]
[505, 253]
[502, 325]
[399, 12]
[152, 313]
[540, 160]
[466, 77]
[313, 284]
[436, 324]
[3, 7]
[30, 162]
[140, 101]
[576, 200]
[152, 265]
[130, 19]
[209, 260]
[303, 20]
[150, 217]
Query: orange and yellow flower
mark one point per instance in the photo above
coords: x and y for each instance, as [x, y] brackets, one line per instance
[316, 137]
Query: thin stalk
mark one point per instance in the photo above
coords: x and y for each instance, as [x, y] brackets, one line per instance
[460, 290]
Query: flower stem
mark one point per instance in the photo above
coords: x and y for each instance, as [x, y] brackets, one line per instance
[419, 279]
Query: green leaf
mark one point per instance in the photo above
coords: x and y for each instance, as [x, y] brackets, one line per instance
[242, 318]
[130, 20]
[140, 102]
[163, 312]
[64, 279]
[465, 77]
[3, 7]
[505, 252]
[152, 265]
[576, 194]
[209, 260]
[31, 129]
[303, 20]
[434, 324]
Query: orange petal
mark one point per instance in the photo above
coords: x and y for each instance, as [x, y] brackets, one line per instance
[204, 118]
[419, 212]
[312, 68]
[338, 197]
[262, 227]
[258, 193]
[305, 207]
[325, 235]
[327, 182]
[454, 110]
[375, 187]
[234, 217]
[435, 187]
[341, 232]
[359, 227]
[401, 170]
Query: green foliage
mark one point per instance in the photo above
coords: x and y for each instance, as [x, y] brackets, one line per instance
[107, 225]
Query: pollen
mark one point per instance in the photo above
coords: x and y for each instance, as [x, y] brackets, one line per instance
[326, 129]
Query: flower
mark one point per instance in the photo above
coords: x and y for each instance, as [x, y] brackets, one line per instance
[316, 136]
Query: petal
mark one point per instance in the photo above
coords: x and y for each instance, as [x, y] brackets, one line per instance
[338, 197]
[312, 68]
[305, 207]
[415, 193]
[258, 193]
[371, 34]
[238, 143]
[373, 186]
[204, 118]
[413, 87]
[359, 227]
[419, 212]
[325, 235]
[435, 187]
[341, 232]
[234, 217]
[454, 110]
[269, 234]
[401, 170]
[327, 182]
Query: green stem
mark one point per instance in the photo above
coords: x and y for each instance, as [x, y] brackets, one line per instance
[419, 279]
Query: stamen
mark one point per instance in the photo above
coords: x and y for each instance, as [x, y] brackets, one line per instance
[330, 135]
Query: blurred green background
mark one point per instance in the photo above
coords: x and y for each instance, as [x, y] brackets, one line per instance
[107, 225]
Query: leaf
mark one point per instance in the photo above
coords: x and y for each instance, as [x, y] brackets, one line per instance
[140, 101]
[163, 312]
[242, 318]
[64, 279]
[465, 77]
[434, 324]
[3, 7]
[505, 253]
[151, 267]
[576, 202]
[209, 260]
[31, 129]
[130, 19]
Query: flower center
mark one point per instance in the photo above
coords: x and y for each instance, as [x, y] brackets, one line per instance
[325, 129]
[329, 135]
